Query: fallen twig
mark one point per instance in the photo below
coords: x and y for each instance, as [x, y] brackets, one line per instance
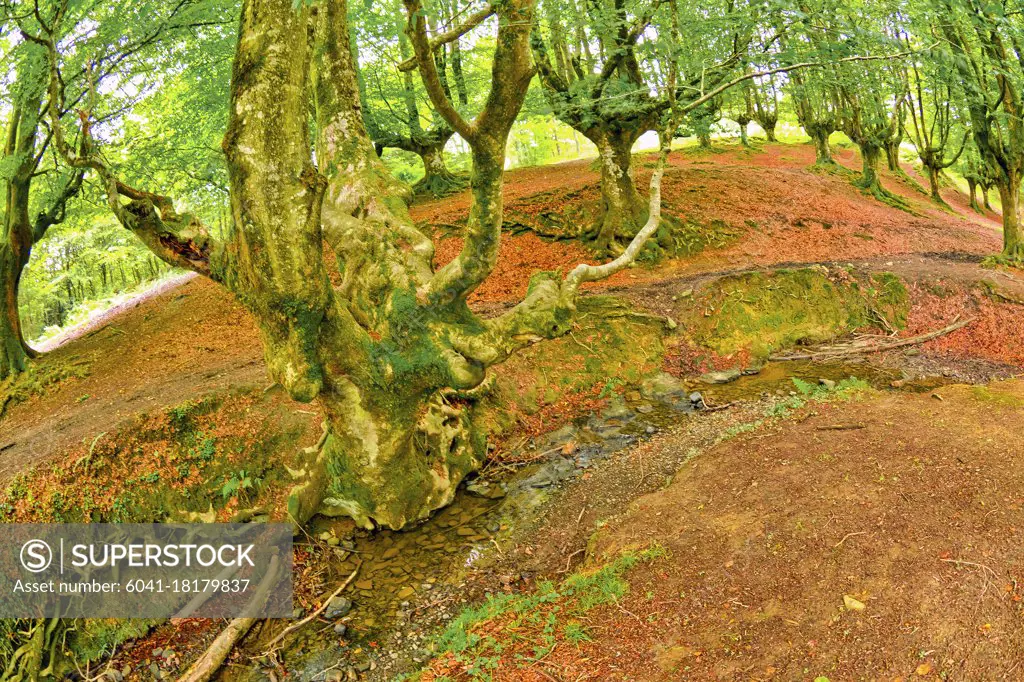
[295, 626]
[841, 427]
[838, 351]
[213, 658]
[847, 537]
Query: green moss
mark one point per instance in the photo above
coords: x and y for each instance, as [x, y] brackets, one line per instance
[538, 616]
[40, 378]
[609, 347]
[986, 394]
[764, 312]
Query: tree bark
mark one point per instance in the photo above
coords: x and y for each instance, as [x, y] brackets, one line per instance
[623, 212]
[437, 180]
[1009, 196]
[972, 186]
[822, 149]
[933, 184]
[871, 156]
[769, 130]
[892, 156]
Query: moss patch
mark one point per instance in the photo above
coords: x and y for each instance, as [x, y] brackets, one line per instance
[609, 349]
[763, 312]
[39, 378]
[515, 630]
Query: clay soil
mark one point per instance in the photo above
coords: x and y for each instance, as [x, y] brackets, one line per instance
[878, 538]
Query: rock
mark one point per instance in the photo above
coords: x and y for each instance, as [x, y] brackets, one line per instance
[696, 398]
[335, 676]
[340, 629]
[827, 383]
[362, 666]
[336, 608]
[616, 409]
[405, 592]
[852, 604]
[485, 489]
[390, 554]
[662, 385]
[723, 376]
[333, 541]
[493, 527]
[298, 611]
[364, 585]
[154, 670]
[752, 370]
[465, 531]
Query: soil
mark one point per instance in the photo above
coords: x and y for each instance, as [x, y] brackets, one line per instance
[913, 509]
[907, 502]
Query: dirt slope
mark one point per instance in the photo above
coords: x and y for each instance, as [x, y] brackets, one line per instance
[194, 339]
[909, 504]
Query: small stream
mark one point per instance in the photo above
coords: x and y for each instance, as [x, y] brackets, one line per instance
[406, 575]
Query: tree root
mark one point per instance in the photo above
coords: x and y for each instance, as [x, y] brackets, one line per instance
[213, 658]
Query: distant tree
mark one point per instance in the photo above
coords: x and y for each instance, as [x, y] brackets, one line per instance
[765, 95]
[603, 71]
[934, 123]
[393, 102]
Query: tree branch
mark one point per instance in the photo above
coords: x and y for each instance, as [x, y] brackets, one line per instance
[471, 22]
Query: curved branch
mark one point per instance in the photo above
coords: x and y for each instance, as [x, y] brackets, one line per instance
[181, 240]
[454, 34]
[417, 31]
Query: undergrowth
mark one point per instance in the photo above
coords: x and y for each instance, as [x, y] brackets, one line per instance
[806, 394]
[520, 629]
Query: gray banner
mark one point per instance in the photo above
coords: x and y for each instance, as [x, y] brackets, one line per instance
[105, 570]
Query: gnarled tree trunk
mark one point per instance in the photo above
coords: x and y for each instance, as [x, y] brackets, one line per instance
[1009, 196]
[819, 134]
[623, 212]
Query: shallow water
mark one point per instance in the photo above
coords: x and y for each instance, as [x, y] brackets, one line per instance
[403, 574]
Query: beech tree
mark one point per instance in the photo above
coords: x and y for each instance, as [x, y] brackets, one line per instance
[403, 127]
[604, 77]
[101, 42]
[985, 43]
[934, 123]
[392, 354]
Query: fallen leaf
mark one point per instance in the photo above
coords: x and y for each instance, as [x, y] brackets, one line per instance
[852, 604]
[924, 669]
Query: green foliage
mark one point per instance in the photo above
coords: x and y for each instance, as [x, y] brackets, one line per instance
[550, 609]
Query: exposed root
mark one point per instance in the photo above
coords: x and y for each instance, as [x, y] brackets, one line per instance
[213, 658]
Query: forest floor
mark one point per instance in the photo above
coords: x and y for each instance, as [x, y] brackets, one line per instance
[798, 534]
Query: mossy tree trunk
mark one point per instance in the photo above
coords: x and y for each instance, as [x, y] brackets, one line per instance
[743, 122]
[768, 125]
[871, 158]
[819, 134]
[19, 231]
[437, 180]
[623, 212]
[1009, 197]
[393, 353]
[972, 193]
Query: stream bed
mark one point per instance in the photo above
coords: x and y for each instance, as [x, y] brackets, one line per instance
[409, 582]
